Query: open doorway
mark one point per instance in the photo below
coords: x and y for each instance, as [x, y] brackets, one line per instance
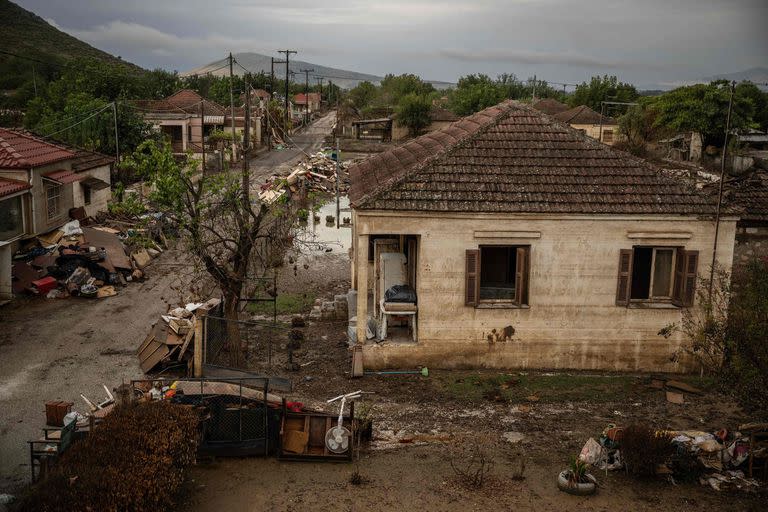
[395, 302]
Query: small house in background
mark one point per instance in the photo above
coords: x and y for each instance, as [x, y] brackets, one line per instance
[43, 184]
[590, 123]
[307, 103]
[439, 118]
[683, 147]
[510, 240]
[550, 106]
[186, 119]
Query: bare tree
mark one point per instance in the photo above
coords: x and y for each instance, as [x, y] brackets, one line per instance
[232, 237]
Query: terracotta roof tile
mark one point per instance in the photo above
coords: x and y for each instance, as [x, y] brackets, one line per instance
[512, 158]
[550, 106]
[20, 150]
[64, 176]
[9, 186]
[582, 115]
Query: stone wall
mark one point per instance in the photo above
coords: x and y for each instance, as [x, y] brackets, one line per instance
[751, 242]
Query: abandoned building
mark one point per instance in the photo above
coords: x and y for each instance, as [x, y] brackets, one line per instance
[511, 240]
[591, 123]
[41, 183]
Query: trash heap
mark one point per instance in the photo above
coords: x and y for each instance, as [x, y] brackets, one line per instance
[81, 260]
[169, 342]
[318, 172]
[721, 460]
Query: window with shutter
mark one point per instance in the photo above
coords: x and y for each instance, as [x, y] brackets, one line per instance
[472, 276]
[691, 273]
[677, 288]
[625, 273]
[522, 264]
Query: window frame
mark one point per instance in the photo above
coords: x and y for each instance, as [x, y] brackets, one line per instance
[23, 216]
[609, 133]
[52, 186]
[655, 299]
[519, 280]
[87, 195]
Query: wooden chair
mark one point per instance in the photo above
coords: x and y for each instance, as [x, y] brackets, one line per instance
[44, 452]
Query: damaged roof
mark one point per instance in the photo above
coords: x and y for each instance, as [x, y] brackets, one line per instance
[582, 115]
[550, 106]
[21, 150]
[511, 158]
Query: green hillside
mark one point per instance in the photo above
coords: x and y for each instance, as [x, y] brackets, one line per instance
[27, 34]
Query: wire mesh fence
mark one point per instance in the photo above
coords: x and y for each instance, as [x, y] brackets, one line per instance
[235, 414]
[259, 343]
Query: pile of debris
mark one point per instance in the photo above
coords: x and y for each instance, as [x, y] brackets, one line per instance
[170, 341]
[318, 172]
[85, 261]
[719, 459]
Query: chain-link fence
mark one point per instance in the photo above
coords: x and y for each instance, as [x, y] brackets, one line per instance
[237, 416]
[261, 343]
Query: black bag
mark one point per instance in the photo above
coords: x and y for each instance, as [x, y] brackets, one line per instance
[400, 293]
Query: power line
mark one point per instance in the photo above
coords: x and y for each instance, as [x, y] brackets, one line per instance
[79, 122]
[66, 119]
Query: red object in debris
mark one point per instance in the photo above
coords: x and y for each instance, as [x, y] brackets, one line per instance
[44, 285]
[294, 406]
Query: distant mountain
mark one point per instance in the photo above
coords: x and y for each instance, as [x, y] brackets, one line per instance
[755, 75]
[256, 62]
[27, 34]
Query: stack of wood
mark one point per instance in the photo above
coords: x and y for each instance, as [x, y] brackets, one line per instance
[170, 341]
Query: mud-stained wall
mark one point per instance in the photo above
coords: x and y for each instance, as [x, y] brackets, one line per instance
[572, 320]
[751, 242]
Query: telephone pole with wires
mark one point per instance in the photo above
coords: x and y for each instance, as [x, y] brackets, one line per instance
[117, 140]
[246, 146]
[720, 190]
[306, 93]
[231, 100]
[287, 82]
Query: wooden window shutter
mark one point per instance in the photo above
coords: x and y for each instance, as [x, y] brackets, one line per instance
[522, 264]
[691, 273]
[472, 277]
[624, 281]
[679, 283]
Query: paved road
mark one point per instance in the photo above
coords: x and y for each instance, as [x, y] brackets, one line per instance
[308, 140]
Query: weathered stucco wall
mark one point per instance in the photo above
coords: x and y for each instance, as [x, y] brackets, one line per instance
[572, 321]
[99, 198]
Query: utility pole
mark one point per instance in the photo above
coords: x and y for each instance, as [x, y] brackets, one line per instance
[306, 93]
[117, 140]
[533, 100]
[338, 171]
[320, 81]
[202, 132]
[720, 191]
[231, 101]
[246, 145]
[287, 81]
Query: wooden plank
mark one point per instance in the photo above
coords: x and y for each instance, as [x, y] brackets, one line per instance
[116, 256]
[153, 354]
[187, 339]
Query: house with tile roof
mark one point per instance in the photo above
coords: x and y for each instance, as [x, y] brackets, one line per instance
[186, 119]
[41, 182]
[591, 123]
[550, 106]
[516, 241]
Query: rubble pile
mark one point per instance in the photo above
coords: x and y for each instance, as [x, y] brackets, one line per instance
[85, 260]
[721, 460]
[317, 173]
[169, 342]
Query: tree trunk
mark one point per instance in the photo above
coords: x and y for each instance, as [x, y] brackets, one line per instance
[234, 340]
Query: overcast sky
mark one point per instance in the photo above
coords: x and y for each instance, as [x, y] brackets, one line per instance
[647, 42]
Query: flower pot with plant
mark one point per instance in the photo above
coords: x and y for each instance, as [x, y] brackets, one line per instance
[576, 479]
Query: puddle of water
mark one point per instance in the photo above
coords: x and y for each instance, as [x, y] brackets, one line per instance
[316, 237]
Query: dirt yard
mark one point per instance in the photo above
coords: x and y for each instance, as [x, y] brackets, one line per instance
[420, 421]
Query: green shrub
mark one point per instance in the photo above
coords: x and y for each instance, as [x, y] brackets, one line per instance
[135, 460]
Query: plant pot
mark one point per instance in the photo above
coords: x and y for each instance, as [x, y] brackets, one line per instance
[578, 489]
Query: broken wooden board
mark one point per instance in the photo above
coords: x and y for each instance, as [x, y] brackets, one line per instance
[682, 386]
[152, 354]
[675, 398]
[51, 238]
[187, 339]
[116, 257]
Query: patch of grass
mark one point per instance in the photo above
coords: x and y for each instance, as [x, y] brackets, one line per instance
[287, 304]
[550, 388]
